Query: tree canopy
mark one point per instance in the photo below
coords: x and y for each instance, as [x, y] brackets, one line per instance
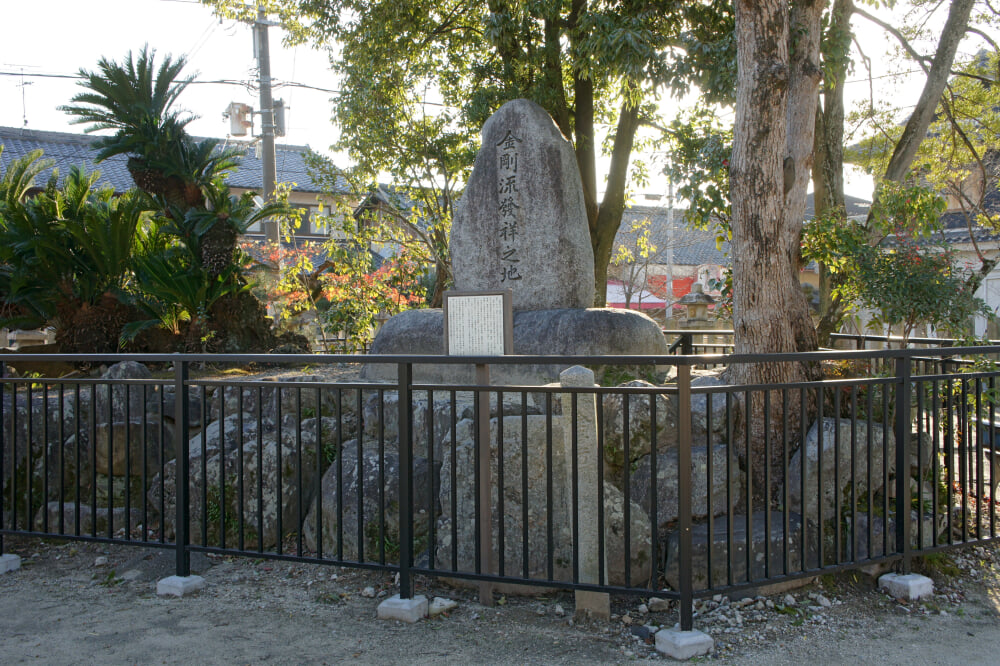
[599, 68]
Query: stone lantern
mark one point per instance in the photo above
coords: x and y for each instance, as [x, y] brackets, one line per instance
[696, 302]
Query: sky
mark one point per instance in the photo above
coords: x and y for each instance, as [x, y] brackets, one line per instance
[49, 41]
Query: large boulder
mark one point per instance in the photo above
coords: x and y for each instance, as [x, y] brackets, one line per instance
[314, 398]
[356, 511]
[130, 448]
[723, 495]
[40, 450]
[522, 223]
[711, 412]
[278, 474]
[639, 415]
[456, 529]
[715, 559]
[127, 402]
[433, 416]
[828, 455]
[61, 518]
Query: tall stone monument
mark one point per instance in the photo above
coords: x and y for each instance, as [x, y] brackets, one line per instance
[521, 224]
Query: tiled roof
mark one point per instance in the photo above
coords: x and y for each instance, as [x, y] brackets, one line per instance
[77, 150]
[691, 247]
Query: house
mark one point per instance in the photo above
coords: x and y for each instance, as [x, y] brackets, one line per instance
[68, 150]
[684, 255]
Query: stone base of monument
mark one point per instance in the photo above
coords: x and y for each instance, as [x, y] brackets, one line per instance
[910, 586]
[404, 610]
[683, 645]
[9, 562]
[561, 332]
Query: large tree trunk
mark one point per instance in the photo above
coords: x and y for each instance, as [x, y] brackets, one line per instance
[762, 292]
[767, 299]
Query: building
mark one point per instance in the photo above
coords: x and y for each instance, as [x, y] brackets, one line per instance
[683, 255]
[69, 150]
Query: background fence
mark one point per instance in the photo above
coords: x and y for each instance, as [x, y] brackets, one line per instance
[681, 488]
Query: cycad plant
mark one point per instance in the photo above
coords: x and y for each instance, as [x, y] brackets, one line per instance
[135, 98]
[65, 260]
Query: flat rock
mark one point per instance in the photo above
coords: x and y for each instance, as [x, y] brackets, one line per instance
[562, 332]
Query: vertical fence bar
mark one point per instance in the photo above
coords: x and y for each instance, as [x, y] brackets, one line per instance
[684, 496]
[903, 461]
[181, 520]
[687, 344]
[405, 380]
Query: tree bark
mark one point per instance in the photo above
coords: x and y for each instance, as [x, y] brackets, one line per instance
[759, 245]
[828, 164]
[609, 216]
[805, 21]
[767, 299]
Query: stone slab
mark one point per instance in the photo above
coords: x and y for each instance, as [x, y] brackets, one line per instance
[9, 562]
[404, 610]
[683, 645]
[561, 332]
[179, 586]
[593, 605]
[907, 586]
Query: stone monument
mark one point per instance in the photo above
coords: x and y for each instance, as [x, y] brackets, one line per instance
[521, 224]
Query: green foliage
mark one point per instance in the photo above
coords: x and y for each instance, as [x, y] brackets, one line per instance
[182, 259]
[134, 98]
[893, 267]
[700, 148]
[419, 78]
[67, 246]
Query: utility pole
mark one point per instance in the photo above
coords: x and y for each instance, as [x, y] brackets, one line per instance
[266, 118]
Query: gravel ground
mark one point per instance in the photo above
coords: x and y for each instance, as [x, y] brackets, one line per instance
[81, 603]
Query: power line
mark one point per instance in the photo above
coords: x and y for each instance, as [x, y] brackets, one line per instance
[227, 82]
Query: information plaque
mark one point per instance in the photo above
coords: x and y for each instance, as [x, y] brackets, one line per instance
[478, 323]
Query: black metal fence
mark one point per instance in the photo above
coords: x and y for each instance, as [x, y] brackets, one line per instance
[684, 489]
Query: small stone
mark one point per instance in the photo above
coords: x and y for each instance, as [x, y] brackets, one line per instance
[558, 610]
[368, 592]
[944, 612]
[759, 606]
[717, 598]
[640, 632]
[441, 605]
[101, 561]
[657, 605]
[643, 609]
[823, 601]
[789, 600]
[769, 604]
[626, 619]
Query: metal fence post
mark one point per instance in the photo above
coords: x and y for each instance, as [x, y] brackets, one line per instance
[685, 568]
[903, 526]
[182, 517]
[687, 344]
[405, 380]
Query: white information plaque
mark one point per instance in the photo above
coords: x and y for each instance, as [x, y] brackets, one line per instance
[477, 324]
